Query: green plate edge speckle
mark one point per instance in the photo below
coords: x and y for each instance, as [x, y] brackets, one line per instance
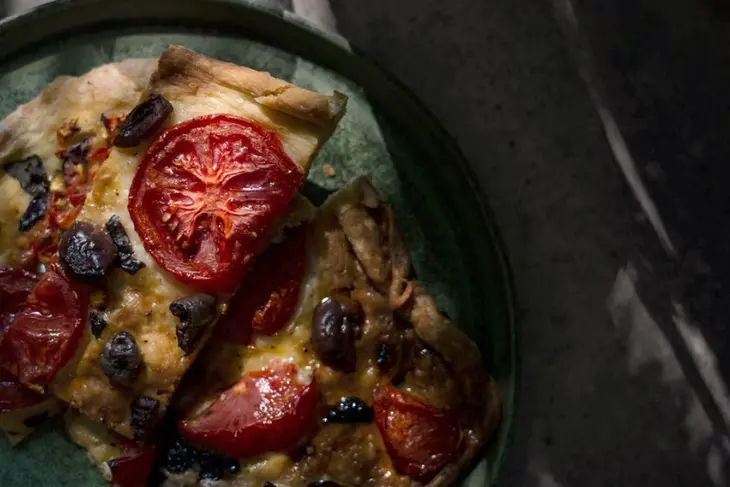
[387, 134]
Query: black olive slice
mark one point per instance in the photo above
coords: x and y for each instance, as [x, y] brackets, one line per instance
[335, 326]
[86, 252]
[97, 323]
[35, 211]
[144, 416]
[349, 410]
[195, 312]
[144, 120]
[125, 251]
[30, 173]
[121, 359]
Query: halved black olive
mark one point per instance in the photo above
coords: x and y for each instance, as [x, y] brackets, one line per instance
[335, 326]
[349, 410]
[30, 173]
[179, 457]
[98, 324]
[214, 466]
[144, 416]
[125, 251]
[195, 312]
[121, 359]
[86, 252]
[35, 211]
[144, 120]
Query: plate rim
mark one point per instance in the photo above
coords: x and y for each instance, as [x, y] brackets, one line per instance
[427, 118]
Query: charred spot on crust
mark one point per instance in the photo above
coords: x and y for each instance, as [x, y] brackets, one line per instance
[125, 251]
[97, 323]
[33, 421]
[144, 416]
[195, 312]
[143, 121]
[349, 410]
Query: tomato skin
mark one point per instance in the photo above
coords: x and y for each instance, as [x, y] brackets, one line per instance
[15, 286]
[420, 439]
[206, 194]
[133, 468]
[269, 293]
[267, 410]
[45, 333]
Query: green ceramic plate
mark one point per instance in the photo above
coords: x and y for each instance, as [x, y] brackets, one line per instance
[386, 134]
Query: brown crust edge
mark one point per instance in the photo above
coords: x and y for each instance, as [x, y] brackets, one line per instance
[185, 71]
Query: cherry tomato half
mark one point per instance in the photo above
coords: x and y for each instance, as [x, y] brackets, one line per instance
[134, 466]
[269, 293]
[268, 410]
[45, 333]
[419, 438]
[206, 194]
[15, 286]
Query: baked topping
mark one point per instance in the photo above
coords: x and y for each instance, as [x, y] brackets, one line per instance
[134, 466]
[268, 296]
[144, 416]
[44, 334]
[205, 195]
[335, 325]
[420, 439]
[32, 177]
[125, 251]
[324, 483]
[97, 324]
[30, 173]
[143, 121]
[181, 457]
[266, 411]
[86, 252]
[349, 410]
[195, 312]
[121, 359]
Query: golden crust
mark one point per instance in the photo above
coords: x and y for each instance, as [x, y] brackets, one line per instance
[181, 70]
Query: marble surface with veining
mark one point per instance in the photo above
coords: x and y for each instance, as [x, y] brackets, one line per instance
[599, 133]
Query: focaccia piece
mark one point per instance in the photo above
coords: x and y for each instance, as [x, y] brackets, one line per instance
[189, 204]
[50, 149]
[335, 382]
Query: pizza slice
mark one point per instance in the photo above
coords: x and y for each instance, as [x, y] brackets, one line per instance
[203, 172]
[333, 366]
[50, 150]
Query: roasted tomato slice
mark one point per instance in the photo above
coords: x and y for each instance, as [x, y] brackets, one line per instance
[268, 410]
[420, 439]
[269, 293]
[206, 195]
[133, 468]
[15, 286]
[44, 334]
